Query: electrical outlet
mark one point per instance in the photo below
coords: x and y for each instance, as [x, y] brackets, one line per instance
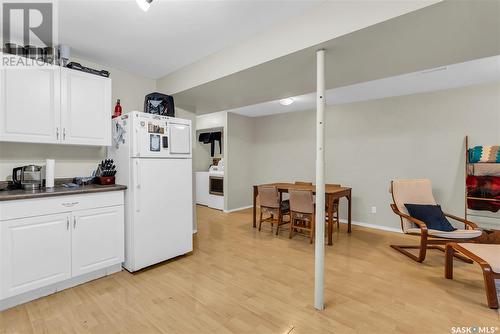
[374, 209]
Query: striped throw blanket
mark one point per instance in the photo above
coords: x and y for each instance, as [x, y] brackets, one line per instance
[483, 187]
[484, 154]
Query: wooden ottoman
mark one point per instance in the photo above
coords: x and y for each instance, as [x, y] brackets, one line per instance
[487, 256]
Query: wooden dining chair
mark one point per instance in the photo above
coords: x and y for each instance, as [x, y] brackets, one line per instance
[335, 211]
[270, 204]
[298, 183]
[336, 208]
[302, 212]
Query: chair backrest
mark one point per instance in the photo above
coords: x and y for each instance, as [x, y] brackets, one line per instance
[302, 183]
[417, 191]
[301, 201]
[268, 197]
[333, 184]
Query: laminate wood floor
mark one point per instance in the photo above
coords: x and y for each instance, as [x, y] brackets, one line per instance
[239, 280]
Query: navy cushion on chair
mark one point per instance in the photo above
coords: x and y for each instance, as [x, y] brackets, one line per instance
[431, 215]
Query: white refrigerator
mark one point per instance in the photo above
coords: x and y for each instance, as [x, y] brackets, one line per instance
[153, 158]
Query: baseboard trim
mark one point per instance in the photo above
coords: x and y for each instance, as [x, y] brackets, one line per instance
[56, 287]
[342, 221]
[373, 226]
[238, 209]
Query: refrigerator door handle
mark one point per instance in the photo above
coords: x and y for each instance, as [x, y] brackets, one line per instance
[138, 187]
[137, 144]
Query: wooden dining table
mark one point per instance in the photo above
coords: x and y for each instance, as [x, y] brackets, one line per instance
[332, 193]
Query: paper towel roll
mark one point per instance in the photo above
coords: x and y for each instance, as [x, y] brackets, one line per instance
[49, 173]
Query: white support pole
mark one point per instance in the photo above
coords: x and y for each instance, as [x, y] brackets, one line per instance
[319, 256]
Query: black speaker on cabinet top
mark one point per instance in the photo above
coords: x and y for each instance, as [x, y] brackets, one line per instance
[159, 104]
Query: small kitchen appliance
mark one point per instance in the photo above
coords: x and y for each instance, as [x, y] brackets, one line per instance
[27, 177]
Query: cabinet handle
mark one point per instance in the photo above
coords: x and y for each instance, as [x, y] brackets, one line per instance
[64, 133]
[57, 133]
[138, 185]
[137, 144]
[67, 223]
[70, 204]
[74, 222]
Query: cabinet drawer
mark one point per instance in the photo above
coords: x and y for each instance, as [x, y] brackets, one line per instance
[57, 204]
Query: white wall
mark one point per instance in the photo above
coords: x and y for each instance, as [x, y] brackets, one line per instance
[370, 143]
[129, 88]
[211, 121]
[239, 174]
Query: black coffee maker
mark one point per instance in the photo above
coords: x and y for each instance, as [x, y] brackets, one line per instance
[27, 177]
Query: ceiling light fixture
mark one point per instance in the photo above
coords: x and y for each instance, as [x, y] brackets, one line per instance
[144, 4]
[286, 102]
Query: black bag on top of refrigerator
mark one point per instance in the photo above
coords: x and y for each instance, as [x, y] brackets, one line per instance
[159, 104]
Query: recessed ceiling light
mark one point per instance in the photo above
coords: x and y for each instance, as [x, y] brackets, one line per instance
[286, 102]
[144, 4]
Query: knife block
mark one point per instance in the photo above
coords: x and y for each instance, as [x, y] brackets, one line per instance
[105, 180]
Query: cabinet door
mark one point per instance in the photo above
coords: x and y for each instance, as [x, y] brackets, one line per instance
[202, 188]
[98, 239]
[29, 101]
[85, 108]
[35, 252]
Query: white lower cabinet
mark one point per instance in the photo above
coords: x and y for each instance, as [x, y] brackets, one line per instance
[51, 241]
[97, 239]
[35, 252]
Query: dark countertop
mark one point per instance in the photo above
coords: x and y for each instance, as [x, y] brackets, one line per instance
[9, 195]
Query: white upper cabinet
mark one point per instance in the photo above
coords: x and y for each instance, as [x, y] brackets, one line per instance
[41, 103]
[86, 108]
[30, 103]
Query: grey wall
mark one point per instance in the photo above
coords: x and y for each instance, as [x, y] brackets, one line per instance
[239, 159]
[370, 143]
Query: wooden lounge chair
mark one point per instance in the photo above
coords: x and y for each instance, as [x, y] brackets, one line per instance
[487, 256]
[420, 192]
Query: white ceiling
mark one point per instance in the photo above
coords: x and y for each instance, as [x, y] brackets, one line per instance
[475, 72]
[449, 32]
[171, 35]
